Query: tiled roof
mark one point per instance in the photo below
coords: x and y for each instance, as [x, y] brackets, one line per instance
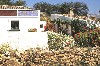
[13, 7]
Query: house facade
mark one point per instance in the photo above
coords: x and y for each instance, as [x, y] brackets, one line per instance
[21, 27]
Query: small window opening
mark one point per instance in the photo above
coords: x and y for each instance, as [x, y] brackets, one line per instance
[14, 26]
[41, 25]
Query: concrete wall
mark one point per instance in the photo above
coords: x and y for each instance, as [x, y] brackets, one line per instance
[22, 39]
[42, 23]
[24, 23]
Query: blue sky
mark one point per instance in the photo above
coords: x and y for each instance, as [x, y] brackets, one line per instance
[93, 5]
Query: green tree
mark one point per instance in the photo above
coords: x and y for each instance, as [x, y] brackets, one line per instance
[11, 2]
[64, 8]
[56, 9]
[20, 3]
[44, 7]
[79, 8]
[5, 2]
[78, 26]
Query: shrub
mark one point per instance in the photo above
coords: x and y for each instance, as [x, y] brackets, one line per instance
[89, 38]
[77, 26]
[58, 41]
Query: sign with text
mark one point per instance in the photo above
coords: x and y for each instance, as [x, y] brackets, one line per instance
[27, 13]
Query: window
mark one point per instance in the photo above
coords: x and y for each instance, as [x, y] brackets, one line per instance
[41, 25]
[14, 26]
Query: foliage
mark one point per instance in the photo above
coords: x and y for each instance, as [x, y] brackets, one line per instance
[63, 8]
[5, 2]
[49, 27]
[79, 8]
[89, 38]
[11, 2]
[44, 17]
[78, 26]
[20, 3]
[43, 6]
[58, 41]
[55, 9]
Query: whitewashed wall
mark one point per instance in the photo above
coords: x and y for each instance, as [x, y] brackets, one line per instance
[22, 39]
[44, 24]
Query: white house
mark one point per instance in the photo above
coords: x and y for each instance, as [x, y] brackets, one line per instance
[21, 27]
